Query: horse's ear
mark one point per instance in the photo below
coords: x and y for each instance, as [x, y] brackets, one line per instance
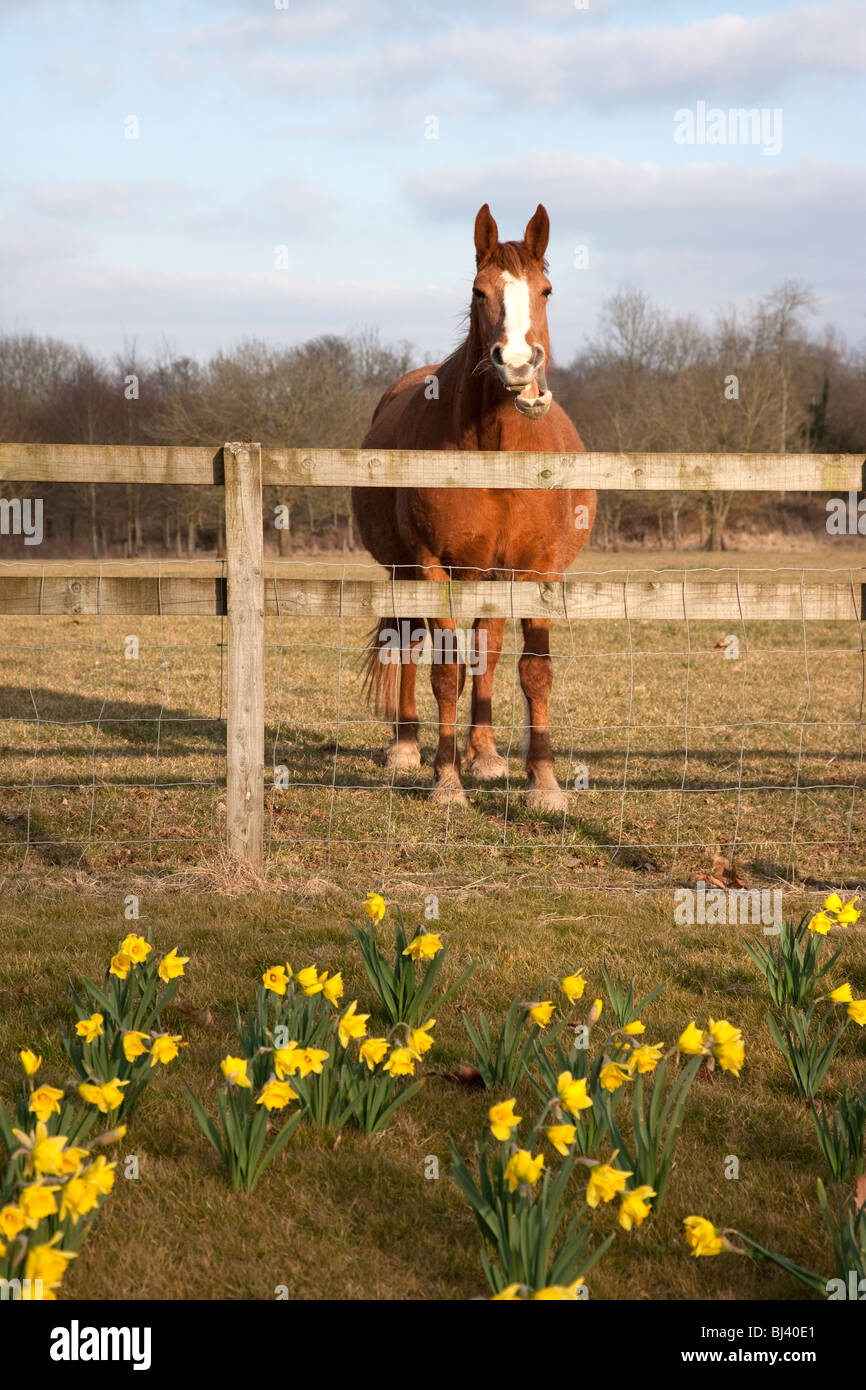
[486, 234]
[537, 234]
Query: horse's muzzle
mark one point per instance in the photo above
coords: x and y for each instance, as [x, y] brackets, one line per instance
[535, 400]
[527, 382]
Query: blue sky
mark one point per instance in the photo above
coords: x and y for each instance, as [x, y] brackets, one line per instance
[305, 127]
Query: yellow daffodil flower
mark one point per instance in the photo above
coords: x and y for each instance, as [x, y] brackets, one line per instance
[100, 1174]
[311, 1059]
[121, 964]
[848, 914]
[310, 981]
[36, 1203]
[421, 1039]
[634, 1207]
[605, 1182]
[165, 1048]
[645, 1058]
[287, 1060]
[77, 1199]
[45, 1267]
[635, 1028]
[134, 1044]
[692, 1041]
[561, 1137]
[29, 1061]
[276, 1095]
[234, 1069]
[572, 987]
[333, 989]
[424, 946]
[542, 1013]
[510, 1294]
[171, 966]
[503, 1120]
[136, 948]
[90, 1028]
[276, 979]
[728, 1047]
[857, 1010]
[352, 1024]
[612, 1076]
[595, 1012]
[523, 1168]
[572, 1092]
[702, 1236]
[105, 1095]
[401, 1062]
[558, 1293]
[45, 1102]
[833, 903]
[375, 906]
[841, 994]
[373, 1050]
[820, 923]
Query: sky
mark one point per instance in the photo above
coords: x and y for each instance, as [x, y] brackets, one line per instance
[192, 174]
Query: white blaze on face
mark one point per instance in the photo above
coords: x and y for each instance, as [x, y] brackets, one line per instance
[515, 345]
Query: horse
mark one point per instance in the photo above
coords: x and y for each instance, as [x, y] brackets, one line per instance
[491, 393]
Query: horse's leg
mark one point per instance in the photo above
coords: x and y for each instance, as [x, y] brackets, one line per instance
[536, 679]
[485, 764]
[404, 755]
[447, 675]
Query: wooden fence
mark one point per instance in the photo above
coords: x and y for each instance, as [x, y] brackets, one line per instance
[245, 589]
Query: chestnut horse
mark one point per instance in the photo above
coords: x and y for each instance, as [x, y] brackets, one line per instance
[491, 393]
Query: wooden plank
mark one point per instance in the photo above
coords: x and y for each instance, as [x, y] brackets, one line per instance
[577, 599]
[245, 718]
[57, 594]
[124, 463]
[109, 463]
[641, 472]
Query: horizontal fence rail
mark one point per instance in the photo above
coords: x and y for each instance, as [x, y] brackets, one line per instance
[245, 589]
[583, 597]
[132, 463]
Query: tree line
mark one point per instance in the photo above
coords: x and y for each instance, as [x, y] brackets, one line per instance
[759, 381]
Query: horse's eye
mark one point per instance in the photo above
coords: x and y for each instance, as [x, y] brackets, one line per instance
[479, 294]
[545, 294]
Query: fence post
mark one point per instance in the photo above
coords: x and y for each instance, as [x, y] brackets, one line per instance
[245, 605]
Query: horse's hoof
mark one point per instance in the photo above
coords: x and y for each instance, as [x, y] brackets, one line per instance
[447, 790]
[488, 767]
[403, 757]
[551, 801]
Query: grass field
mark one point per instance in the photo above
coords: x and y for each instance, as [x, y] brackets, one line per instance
[110, 765]
[356, 1218]
[117, 787]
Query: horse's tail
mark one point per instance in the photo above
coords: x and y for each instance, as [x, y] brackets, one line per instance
[381, 673]
[383, 667]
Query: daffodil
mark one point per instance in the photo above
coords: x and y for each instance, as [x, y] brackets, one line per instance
[692, 1041]
[77, 1199]
[105, 1095]
[605, 1182]
[45, 1267]
[727, 1046]
[373, 1050]
[287, 1060]
[645, 1058]
[841, 994]
[46, 1153]
[848, 914]
[634, 1207]
[523, 1168]
[276, 1095]
[121, 964]
[401, 1062]
[857, 1010]
[134, 1044]
[595, 1012]
[311, 1059]
[421, 1039]
[635, 1028]
[572, 987]
[171, 966]
[234, 1069]
[136, 948]
[29, 1061]
[542, 1013]
[558, 1293]
[37, 1202]
[12, 1220]
[424, 946]
[503, 1119]
[820, 923]
[333, 989]
[100, 1174]
[612, 1076]
[833, 903]
[572, 1092]
[375, 906]
[165, 1048]
[352, 1024]
[510, 1294]
[90, 1028]
[45, 1101]
[309, 980]
[561, 1137]
[703, 1237]
[276, 979]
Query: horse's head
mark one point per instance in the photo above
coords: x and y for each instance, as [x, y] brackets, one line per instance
[509, 308]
